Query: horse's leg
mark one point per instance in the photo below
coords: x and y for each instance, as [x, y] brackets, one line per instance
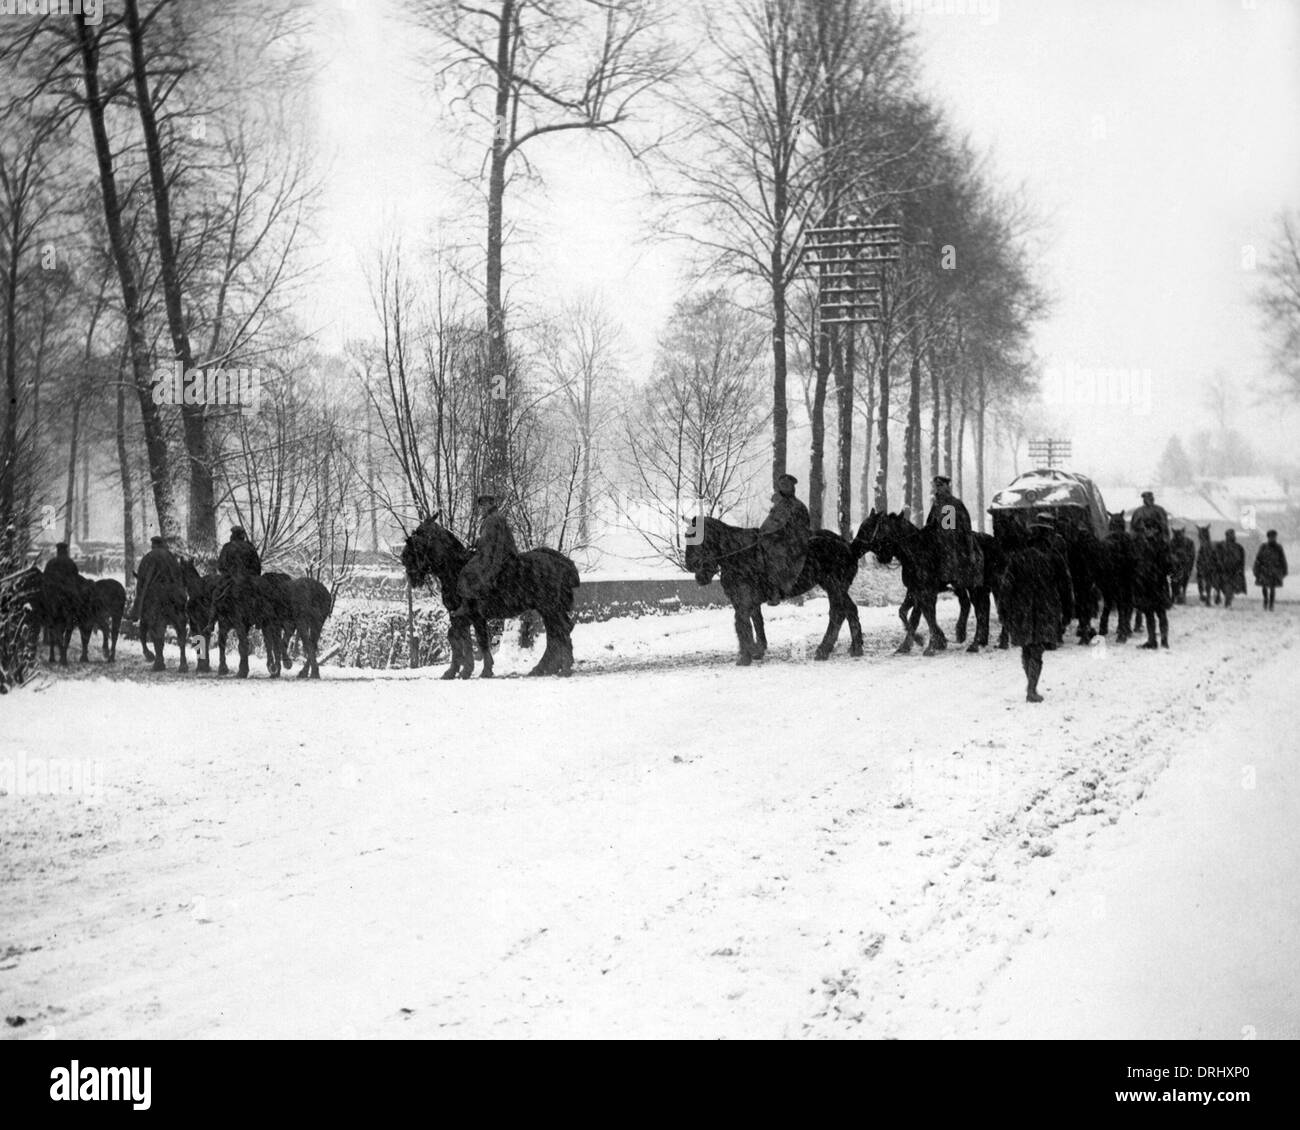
[909, 625]
[1150, 619]
[834, 618]
[453, 646]
[85, 643]
[963, 615]
[760, 632]
[242, 631]
[546, 664]
[179, 625]
[222, 632]
[938, 641]
[484, 645]
[159, 639]
[980, 599]
[1163, 619]
[855, 625]
[744, 632]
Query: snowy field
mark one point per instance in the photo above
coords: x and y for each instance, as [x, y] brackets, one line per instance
[665, 845]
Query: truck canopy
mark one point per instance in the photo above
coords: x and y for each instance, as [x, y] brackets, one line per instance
[1069, 495]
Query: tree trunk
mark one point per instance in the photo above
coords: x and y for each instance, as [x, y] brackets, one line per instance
[85, 491]
[912, 477]
[497, 375]
[10, 469]
[69, 499]
[979, 448]
[780, 417]
[155, 443]
[817, 429]
[947, 426]
[881, 501]
[936, 419]
[201, 531]
[864, 492]
[124, 470]
[960, 470]
[845, 359]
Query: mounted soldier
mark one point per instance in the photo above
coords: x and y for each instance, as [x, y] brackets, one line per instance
[950, 521]
[238, 556]
[494, 552]
[784, 537]
[1150, 518]
[61, 570]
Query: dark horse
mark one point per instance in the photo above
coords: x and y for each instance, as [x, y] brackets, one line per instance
[199, 591]
[163, 606]
[733, 552]
[100, 607]
[918, 549]
[311, 604]
[1182, 556]
[541, 580]
[242, 603]
[1210, 573]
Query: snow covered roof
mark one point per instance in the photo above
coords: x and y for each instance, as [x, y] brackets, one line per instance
[1256, 488]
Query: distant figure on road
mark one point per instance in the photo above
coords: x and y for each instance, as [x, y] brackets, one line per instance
[1233, 556]
[784, 535]
[1036, 599]
[1270, 568]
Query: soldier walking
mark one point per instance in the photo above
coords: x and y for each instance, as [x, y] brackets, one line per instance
[1270, 568]
[1037, 599]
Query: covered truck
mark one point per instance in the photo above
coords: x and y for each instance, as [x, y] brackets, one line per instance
[1072, 499]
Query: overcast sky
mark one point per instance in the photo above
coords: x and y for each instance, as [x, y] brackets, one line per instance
[1157, 139]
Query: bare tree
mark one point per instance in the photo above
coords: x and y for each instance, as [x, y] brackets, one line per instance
[692, 440]
[1279, 301]
[529, 69]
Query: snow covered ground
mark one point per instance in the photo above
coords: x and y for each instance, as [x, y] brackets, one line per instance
[665, 845]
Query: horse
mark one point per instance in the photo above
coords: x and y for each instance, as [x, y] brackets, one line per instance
[714, 548]
[100, 607]
[199, 591]
[241, 603]
[1151, 587]
[1115, 579]
[1209, 567]
[60, 611]
[162, 605]
[311, 604]
[1182, 553]
[541, 580]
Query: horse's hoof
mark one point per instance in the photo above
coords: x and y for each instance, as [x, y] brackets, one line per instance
[743, 661]
[856, 651]
[961, 637]
[487, 673]
[822, 654]
[450, 673]
[929, 652]
[1147, 647]
[973, 649]
[902, 649]
[303, 673]
[159, 667]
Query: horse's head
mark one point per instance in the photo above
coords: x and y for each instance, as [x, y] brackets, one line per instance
[700, 557]
[1116, 523]
[864, 541]
[428, 550]
[1203, 533]
[1179, 533]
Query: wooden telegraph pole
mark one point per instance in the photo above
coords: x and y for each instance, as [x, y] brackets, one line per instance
[1049, 453]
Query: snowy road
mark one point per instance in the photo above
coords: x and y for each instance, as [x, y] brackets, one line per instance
[855, 848]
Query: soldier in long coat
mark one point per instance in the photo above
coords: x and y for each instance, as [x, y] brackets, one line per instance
[950, 519]
[1234, 563]
[494, 550]
[1270, 568]
[159, 562]
[1153, 521]
[1036, 600]
[784, 535]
